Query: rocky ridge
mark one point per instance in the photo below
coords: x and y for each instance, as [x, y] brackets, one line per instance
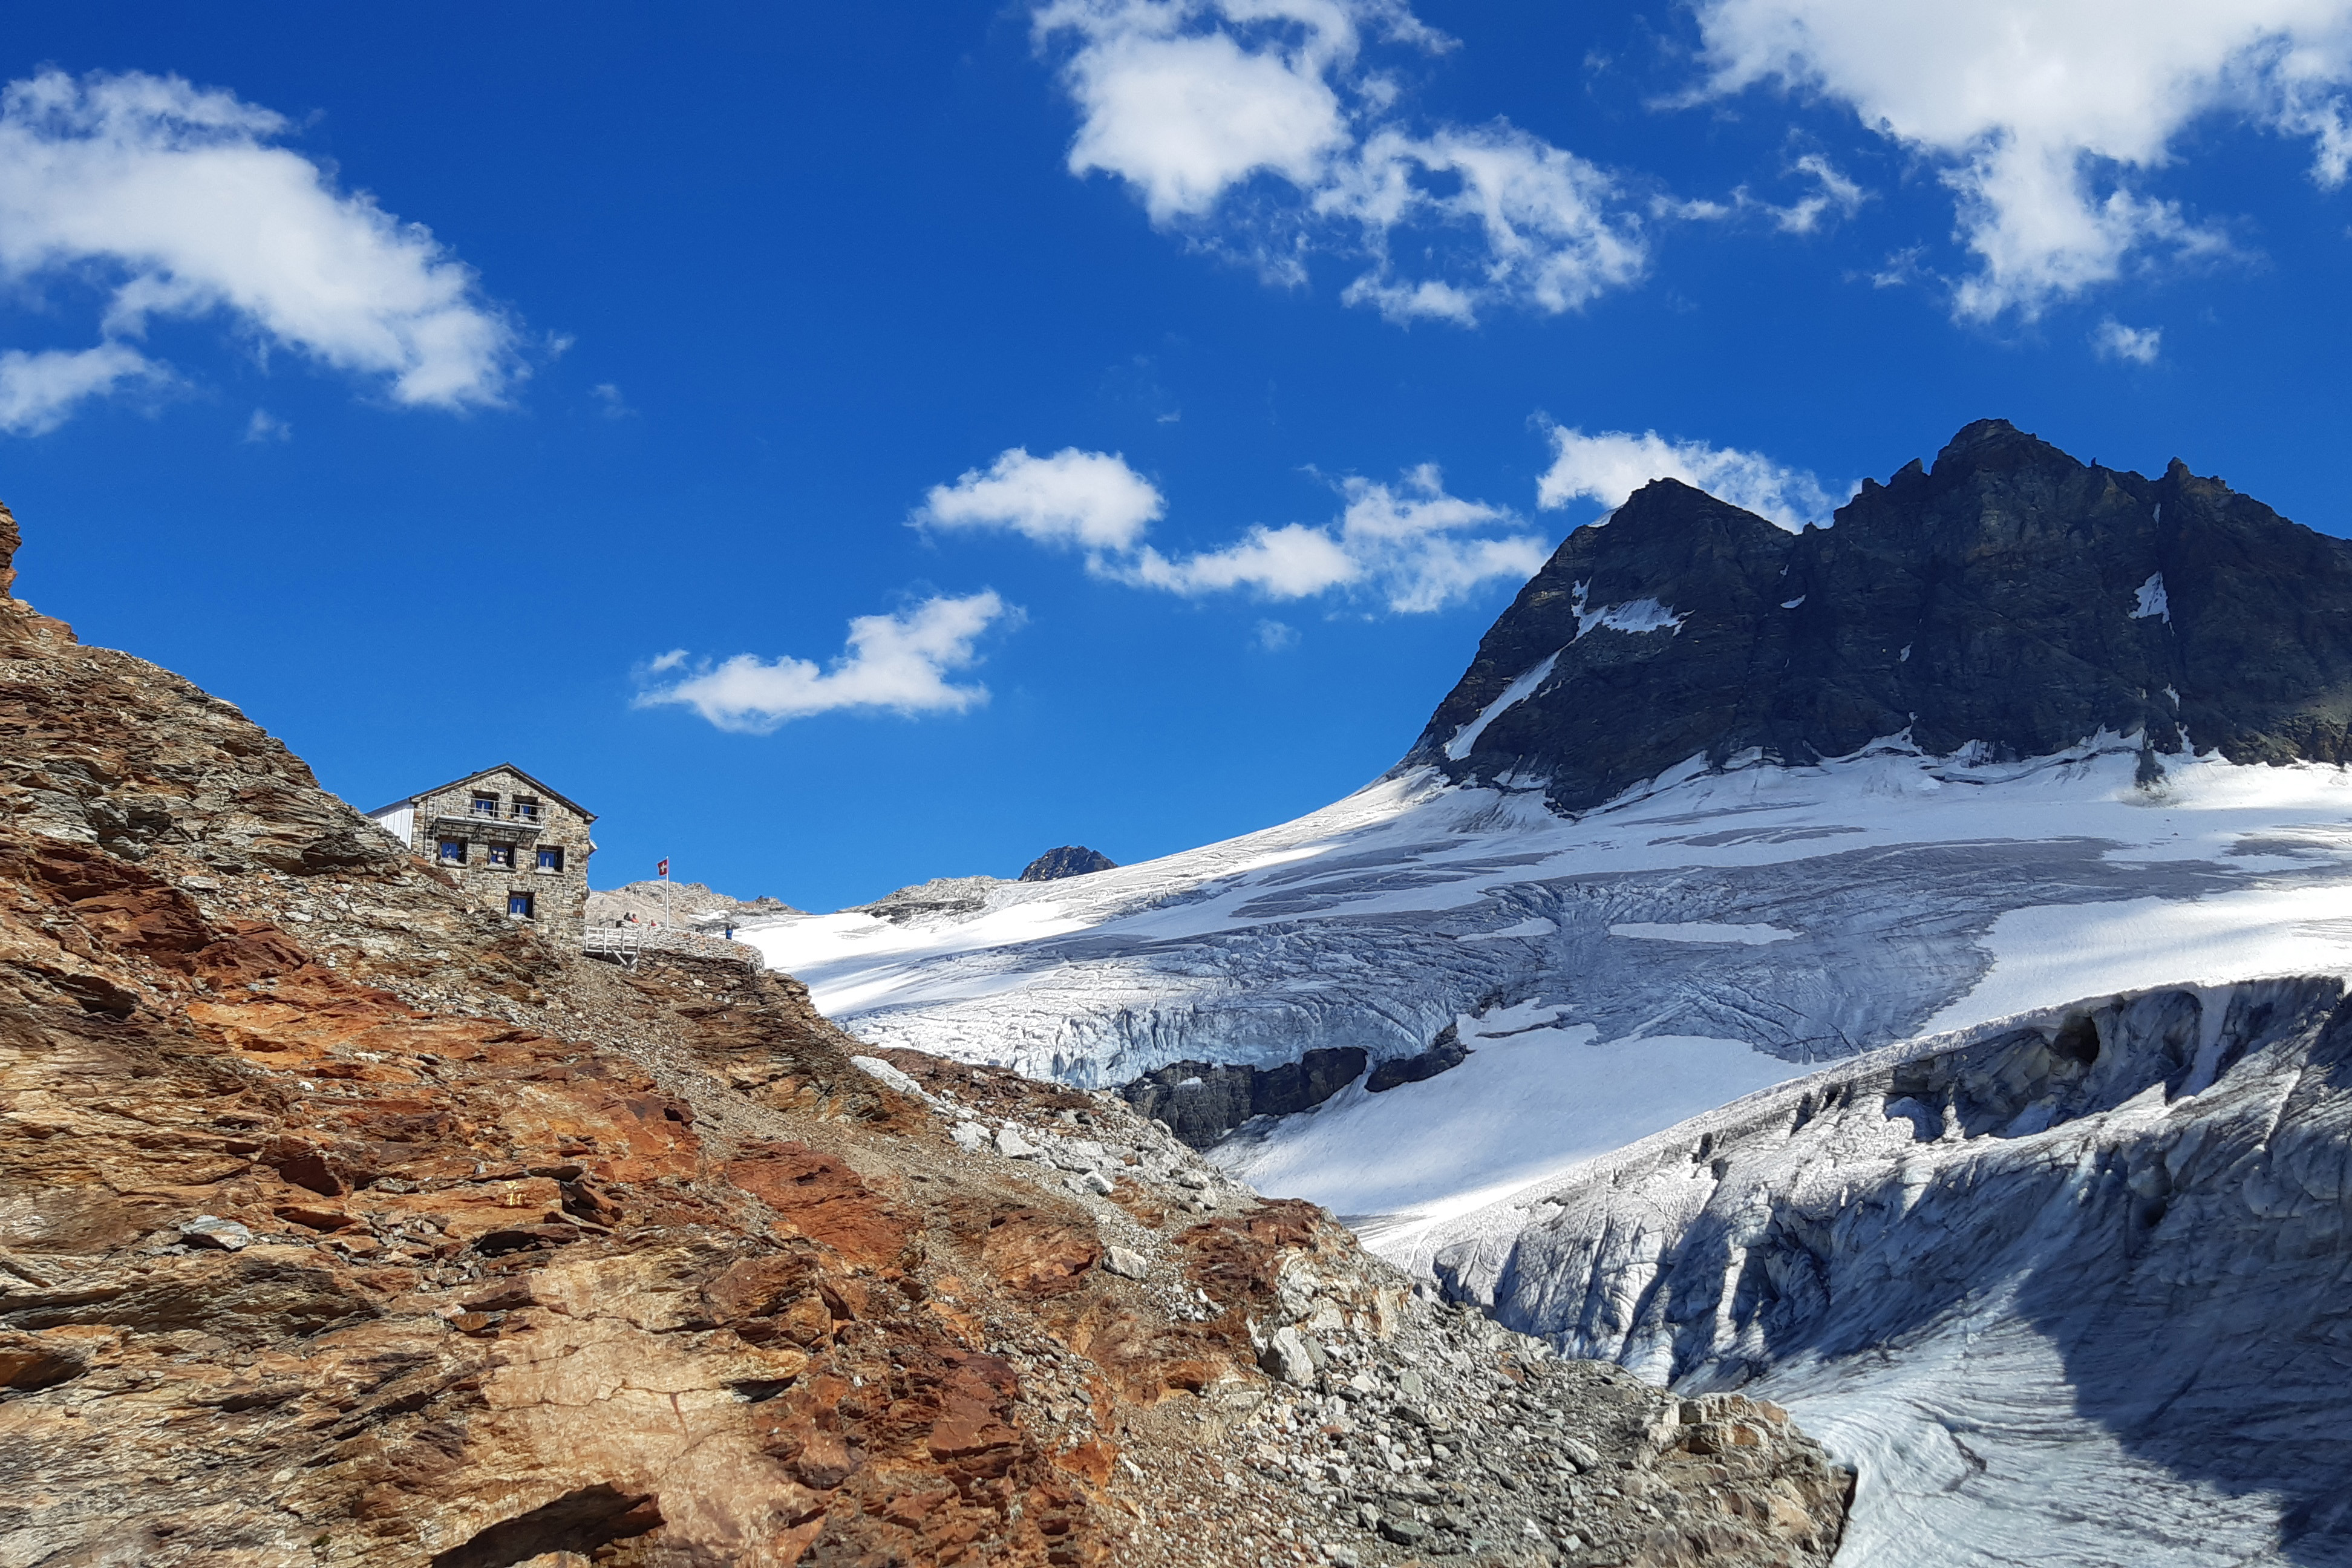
[686, 903]
[343, 1222]
[2006, 603]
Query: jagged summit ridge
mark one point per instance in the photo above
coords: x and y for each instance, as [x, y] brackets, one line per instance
[2009, 599]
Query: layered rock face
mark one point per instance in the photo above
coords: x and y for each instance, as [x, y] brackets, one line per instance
[2009, 599]
[342, 1222]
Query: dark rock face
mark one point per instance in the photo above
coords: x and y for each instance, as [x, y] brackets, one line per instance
[2011, 597]
[1444, 1053]
[1201, 1102]
[1069, 860]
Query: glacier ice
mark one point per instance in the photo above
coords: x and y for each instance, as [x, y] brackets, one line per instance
[2071, 1288]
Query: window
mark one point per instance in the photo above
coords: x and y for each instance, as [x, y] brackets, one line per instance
[550, 858]
[486, 805]
[520, 904]
[453, 851]
[502, 855]
[526, 810]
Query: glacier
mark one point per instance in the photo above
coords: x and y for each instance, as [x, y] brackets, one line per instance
[1611, 973]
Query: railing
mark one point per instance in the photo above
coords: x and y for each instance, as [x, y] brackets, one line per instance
[622, 943]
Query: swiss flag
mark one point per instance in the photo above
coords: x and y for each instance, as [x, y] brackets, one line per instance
[662, 870]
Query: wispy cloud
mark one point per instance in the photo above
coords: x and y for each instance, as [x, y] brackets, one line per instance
[265, 426]
[1276, 636]
[2140, 345]
[1410, 545]
[1610, 466]
[2044, 114]
[1189, 101]
[609, 401]
[898, 664]
[179, 200]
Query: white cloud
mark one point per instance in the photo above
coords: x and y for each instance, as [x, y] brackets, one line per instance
[1613, 465]
[898, 663]
[2043, 112]
[38, 391]
[267, 426]
[1276, 636]
[609, 401]
[1089, 500]
[1183, 116]
[1188, 100]
[176, 198]
[2140, 345]
[1411, 544]
[1292, 562]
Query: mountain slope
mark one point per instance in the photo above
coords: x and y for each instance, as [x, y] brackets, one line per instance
[343, 1223]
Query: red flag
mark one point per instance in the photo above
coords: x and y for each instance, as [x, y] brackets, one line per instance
[662, 870]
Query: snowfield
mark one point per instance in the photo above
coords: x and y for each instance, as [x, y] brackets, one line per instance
[1614, 974]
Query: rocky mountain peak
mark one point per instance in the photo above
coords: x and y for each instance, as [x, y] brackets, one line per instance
[1069, 860]
[2010, 601]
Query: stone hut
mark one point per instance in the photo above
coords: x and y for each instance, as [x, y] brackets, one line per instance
[513, 843]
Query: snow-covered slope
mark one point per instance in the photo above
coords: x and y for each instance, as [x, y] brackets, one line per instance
[2071, 1288]
[1614, 974]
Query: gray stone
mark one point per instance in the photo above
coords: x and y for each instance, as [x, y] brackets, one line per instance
[1127, 1263]
[1012, 1146]
[877, 1069]
[969, 1135]
[1092, 1182]
[1286, 1356]
[211, 1230]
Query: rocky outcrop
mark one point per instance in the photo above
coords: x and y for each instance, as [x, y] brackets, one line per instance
[941, 898]
[1201, 1102]
[342, 1222]
[1069, 860]
[2010, 600]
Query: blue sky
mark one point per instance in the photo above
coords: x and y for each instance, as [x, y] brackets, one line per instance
[844, 446]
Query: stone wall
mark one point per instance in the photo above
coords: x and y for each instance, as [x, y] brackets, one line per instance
[559, 899]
